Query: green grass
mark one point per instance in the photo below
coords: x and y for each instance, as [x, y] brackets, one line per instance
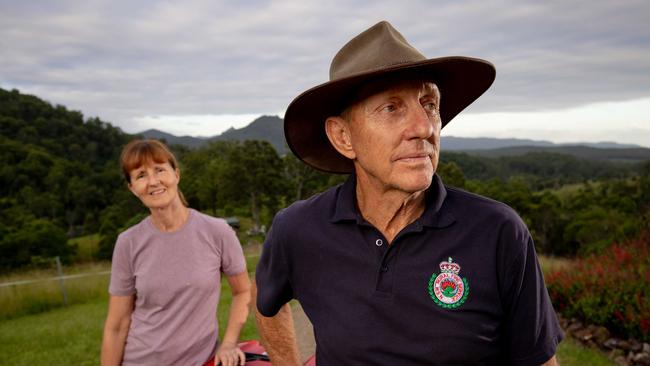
[571, 353]
[32, 298]
[552, 264]
[65, 336]
[87, 247]
[72, 335]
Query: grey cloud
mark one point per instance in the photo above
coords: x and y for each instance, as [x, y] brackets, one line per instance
[121, 60]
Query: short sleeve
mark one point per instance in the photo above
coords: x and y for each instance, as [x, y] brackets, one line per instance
[273, 274]
[531, 326]
[233, 261]
[122, 278]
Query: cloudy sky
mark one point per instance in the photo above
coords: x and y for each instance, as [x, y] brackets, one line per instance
[566, 70]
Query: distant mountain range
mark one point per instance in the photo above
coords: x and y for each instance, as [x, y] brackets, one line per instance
[270, 128]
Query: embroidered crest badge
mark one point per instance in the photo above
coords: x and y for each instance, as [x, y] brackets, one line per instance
[447, 289]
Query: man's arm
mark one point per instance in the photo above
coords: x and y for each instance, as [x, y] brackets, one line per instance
[278, 335]
[551, 362]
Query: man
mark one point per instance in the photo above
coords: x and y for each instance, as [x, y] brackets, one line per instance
[392, 267]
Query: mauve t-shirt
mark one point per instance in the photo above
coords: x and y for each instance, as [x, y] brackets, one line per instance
[175, 277]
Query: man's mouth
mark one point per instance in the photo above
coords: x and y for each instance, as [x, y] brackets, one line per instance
[414, 158]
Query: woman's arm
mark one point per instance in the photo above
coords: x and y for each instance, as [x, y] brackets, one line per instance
[228, 353]
[116, 329]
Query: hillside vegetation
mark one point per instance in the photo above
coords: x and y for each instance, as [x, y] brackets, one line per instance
[60, 179]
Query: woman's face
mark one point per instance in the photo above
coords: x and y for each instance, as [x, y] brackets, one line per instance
[155, 184]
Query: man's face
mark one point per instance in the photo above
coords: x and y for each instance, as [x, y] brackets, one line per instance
[395, 136]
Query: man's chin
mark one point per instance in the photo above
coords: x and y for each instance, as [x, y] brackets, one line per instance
[417, 184]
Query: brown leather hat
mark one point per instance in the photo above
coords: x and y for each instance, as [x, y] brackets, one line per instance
[380, 51]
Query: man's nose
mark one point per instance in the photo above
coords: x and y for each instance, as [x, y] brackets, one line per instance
[420, 123]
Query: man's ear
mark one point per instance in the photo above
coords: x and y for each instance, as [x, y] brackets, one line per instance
[338, 132]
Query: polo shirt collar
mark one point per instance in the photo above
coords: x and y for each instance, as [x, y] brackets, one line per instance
[435, 215]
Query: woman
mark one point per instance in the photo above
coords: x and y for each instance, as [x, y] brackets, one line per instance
[166, 274]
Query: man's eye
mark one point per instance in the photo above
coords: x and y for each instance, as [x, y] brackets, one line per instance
[431, 107]
[390, 108]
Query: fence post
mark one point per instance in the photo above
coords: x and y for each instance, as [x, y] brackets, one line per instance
[61, 280]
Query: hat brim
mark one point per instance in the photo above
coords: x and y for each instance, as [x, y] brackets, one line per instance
[460, 80]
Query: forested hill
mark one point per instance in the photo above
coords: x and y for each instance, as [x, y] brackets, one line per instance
[267, 128]
[630, 154]
[59, 173]
[58, 131]
[270, 128]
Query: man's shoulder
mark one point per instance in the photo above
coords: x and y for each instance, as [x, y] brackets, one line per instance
[319, 205]
[467, 203]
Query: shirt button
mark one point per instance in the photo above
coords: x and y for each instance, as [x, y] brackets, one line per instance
[379, 242]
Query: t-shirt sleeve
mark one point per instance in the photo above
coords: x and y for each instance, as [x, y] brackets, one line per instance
[233, 261]
[272, 275]
[532, 329]
[122, 277]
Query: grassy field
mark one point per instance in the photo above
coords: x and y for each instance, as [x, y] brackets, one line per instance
[552, 264]
[72, 335]
[572, 353]
[45, 293]
[87, 247]
[37, 329]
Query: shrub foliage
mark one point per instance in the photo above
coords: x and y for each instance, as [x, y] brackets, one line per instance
[610, 289]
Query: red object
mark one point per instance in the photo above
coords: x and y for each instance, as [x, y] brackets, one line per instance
[254, 349]
[311, 361]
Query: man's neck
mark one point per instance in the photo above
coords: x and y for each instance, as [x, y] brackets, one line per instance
[389, 211]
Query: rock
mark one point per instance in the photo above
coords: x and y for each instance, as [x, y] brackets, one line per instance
[601, 334]
[624, 345]
[616, 353]
[583, 334]
[611, 343]
[621, 361]
[635, 345]
[574, 327]
[641, 359]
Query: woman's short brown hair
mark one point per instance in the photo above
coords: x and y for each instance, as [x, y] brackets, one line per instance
[139, 152]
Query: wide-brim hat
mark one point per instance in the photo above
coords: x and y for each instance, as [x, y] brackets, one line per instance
[380, 51]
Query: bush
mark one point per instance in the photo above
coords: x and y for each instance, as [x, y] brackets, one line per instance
[610, 289]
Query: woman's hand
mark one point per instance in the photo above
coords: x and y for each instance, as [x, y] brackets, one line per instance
[228, 354]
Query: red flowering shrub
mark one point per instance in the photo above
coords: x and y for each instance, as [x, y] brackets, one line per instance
[610, 289]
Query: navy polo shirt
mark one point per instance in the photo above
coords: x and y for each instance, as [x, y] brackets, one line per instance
[461, 285]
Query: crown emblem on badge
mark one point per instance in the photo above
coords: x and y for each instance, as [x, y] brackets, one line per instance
[449, 267]
[448, 289]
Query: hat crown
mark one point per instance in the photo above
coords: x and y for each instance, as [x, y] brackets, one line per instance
[379, 47]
